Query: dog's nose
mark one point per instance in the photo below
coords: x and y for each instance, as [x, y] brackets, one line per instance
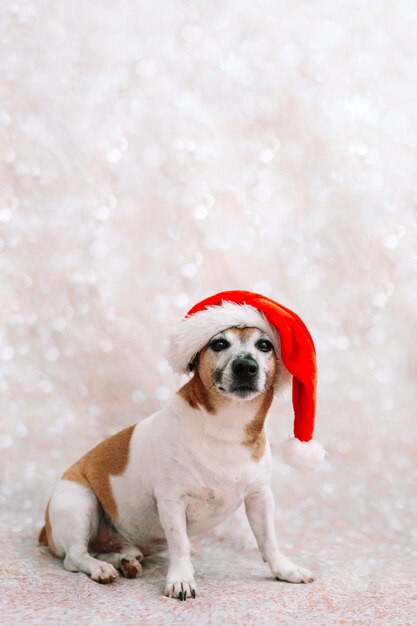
[245, 367]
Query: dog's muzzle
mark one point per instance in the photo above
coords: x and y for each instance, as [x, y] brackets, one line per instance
[245, 374]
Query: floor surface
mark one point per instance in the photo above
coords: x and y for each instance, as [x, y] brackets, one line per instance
[354, 585]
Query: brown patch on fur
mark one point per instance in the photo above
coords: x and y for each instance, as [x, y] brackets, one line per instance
[255, 432]
[130, 568]
[45, 536]
[196, 394]
[42, 539]
[93, 470]
[107, 539]
[200, 390]
[244, 333]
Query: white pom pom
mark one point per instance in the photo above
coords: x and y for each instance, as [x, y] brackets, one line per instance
[303, 455]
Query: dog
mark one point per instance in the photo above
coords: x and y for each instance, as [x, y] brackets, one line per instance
[178, 473]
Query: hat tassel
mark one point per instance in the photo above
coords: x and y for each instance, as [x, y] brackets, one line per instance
[303, 455]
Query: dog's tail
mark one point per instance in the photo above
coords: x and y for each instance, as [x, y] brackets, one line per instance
[43, 539]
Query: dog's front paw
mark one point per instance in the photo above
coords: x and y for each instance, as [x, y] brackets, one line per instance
[103, 573]
[294, 574]
[181, 589]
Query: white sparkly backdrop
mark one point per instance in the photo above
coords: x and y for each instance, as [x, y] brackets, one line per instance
[154, 153]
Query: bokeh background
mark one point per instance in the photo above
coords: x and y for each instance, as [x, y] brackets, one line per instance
[155, 153]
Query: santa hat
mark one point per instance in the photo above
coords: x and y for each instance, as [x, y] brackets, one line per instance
[289, 336]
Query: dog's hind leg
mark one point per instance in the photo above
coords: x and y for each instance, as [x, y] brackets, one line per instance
[74, 517]
[110, 546]
[127, 561]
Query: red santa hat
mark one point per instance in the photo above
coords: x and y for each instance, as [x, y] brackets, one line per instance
[290, 338]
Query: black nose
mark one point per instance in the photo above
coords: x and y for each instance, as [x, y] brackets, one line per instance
[245, 367]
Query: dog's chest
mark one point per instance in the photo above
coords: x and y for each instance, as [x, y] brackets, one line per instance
[214, 482]
[205, 501]
[208, 504]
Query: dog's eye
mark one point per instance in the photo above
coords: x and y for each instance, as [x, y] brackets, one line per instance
[219, 344]
[264, 345]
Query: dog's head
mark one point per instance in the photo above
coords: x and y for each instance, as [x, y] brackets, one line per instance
[239, 363]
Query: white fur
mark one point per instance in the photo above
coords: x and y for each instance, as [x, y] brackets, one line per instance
[73, 513]
[303, 455]
[189, 335]
[187, 471]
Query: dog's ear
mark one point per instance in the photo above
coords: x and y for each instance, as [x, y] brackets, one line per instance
[193, 363]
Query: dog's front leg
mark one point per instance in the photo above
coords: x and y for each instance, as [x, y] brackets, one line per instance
[259, 506]
[180, 579]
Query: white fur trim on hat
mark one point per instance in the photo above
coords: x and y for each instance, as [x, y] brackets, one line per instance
[192, 333]
[303, 455]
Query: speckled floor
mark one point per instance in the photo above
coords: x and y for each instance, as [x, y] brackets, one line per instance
[358, 582]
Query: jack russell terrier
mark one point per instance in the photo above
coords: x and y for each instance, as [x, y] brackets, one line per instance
[186, 468]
